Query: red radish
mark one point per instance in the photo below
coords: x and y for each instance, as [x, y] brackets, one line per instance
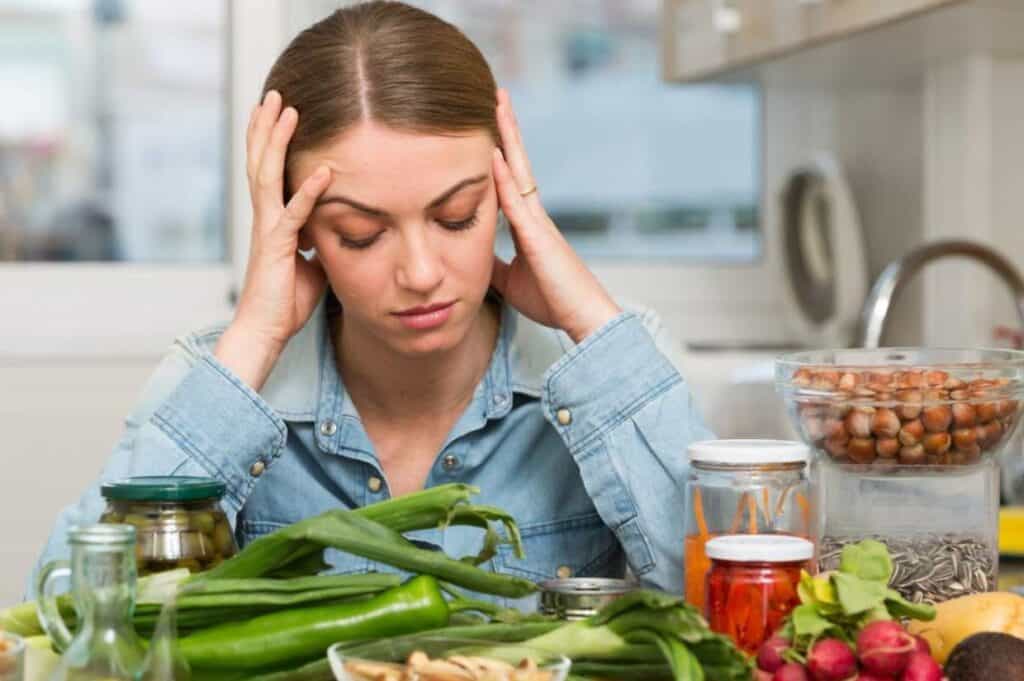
[762, 675]
[791, 672]
[884, 648]
[769, 656]
[922, 667]
[922, 645]
[868, 676]
[831, 660]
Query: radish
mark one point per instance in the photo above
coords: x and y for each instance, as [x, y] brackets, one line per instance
[762, 675]
[868, 676]
[769, 656]
[884, 648]
[791, 672]
[831, 660]
[922, 645]
[922, 667]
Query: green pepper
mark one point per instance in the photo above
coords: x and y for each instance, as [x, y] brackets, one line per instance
[299, 635]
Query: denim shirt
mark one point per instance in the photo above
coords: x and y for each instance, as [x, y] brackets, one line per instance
[584, 444]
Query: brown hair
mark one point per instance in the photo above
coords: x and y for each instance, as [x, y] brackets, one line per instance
[387, 62]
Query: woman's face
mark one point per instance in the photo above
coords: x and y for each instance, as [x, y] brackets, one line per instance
[405, 231]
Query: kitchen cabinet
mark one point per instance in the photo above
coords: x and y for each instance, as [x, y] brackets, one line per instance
[704, 39]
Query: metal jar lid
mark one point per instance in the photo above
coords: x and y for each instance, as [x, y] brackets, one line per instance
[577, 598]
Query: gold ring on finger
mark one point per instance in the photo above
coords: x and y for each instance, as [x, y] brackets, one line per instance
[527, 192]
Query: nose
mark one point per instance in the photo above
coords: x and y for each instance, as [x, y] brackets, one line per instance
[421, 268]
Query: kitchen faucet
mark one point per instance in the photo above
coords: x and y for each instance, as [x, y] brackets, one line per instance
[896, 274]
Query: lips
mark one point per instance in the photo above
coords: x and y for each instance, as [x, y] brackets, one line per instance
[424, 309]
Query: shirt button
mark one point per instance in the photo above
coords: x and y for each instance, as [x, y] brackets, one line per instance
[564, 416]
[328, 428]
[256, 470]
[564, 572]
[499, 400]
[449, 462]
[374, 483]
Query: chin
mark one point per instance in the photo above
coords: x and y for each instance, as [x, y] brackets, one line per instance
[422, 344]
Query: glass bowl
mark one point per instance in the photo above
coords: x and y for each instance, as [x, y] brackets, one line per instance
[398, 649]
[890, 408]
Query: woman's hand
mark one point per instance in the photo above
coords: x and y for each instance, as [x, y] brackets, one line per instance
[546, 280]
[281, 287]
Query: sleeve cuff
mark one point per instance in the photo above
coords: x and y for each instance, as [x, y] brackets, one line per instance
[224, 426]
[604, 380]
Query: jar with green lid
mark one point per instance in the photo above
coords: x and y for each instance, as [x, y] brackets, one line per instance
[178, 521]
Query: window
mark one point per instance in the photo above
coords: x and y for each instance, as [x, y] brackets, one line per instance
[112, 132]
[630, 167]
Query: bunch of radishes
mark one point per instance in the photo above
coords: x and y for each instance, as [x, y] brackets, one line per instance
[885, 652]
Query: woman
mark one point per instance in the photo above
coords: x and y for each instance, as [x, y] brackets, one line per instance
[404, 354]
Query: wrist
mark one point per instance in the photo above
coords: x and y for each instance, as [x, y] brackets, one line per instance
[594, 320]
[249, 355]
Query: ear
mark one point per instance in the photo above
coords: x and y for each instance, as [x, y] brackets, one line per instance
[305, 240]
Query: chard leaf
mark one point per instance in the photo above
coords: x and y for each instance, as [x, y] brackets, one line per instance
[900, 607]
[858, 595]
[868, 559]
[807, 622]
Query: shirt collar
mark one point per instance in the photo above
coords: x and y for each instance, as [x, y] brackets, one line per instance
[304, 382]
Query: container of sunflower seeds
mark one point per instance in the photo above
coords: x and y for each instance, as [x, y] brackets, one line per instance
[906, 446]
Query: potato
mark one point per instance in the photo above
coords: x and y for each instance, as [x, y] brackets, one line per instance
[958, 618]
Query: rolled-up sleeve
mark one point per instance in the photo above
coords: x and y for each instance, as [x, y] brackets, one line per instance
[194, 418]
[626, 414]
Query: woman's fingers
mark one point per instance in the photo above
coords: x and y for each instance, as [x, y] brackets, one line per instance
[515, 153]
[266, 116]
[270, 178]
[298, 210]
[521, 219]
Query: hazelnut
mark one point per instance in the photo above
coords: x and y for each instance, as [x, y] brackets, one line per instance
[847, 382]
[912, 455]
[965, 438]
[911, 407]
[802, 377]
[911, 433]
[936, 378]
[937, 443]
[887, 447]
[971, 455]
[964, 415]
[836, 430]
[858, 422]
[954, 384]
[959, 395]
[885, 423]
[937, 419]
[837, 448]
[986, 411]
[1006, 409]
[861, 449]
[993, 432]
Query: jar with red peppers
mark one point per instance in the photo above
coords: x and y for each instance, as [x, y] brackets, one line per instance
[752, 584]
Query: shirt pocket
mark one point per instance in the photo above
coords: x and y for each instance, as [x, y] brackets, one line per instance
[341, 563]
[582, 544]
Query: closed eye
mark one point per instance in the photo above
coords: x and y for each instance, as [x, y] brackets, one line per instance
[359, 243]
[457, 225]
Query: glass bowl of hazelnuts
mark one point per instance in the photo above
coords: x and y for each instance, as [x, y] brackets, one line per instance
[896, 407]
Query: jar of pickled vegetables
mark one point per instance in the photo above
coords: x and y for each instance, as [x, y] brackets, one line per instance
[743, 487]
[178, 521]
[752, 585]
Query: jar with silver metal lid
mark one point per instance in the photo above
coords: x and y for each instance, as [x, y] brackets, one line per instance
[578, 598]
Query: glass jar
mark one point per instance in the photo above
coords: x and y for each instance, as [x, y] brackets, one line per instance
[752, 585]
[12, 657]
[743, 486]
[906, 448]
[105, 646]
[178, 520]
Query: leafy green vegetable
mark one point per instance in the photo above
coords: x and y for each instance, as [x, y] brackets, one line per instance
[838, 604]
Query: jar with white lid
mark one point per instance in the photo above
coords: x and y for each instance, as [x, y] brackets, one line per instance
[743, 487]
[752, 585]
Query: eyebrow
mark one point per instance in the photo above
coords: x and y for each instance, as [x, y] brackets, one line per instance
[370, 210]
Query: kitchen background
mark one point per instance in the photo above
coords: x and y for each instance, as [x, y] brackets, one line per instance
[746, 167]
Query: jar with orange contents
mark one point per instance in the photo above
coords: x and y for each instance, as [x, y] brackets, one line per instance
[743, 486]
[752, 585]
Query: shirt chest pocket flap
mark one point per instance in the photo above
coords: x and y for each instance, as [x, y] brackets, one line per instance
[581, 546]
